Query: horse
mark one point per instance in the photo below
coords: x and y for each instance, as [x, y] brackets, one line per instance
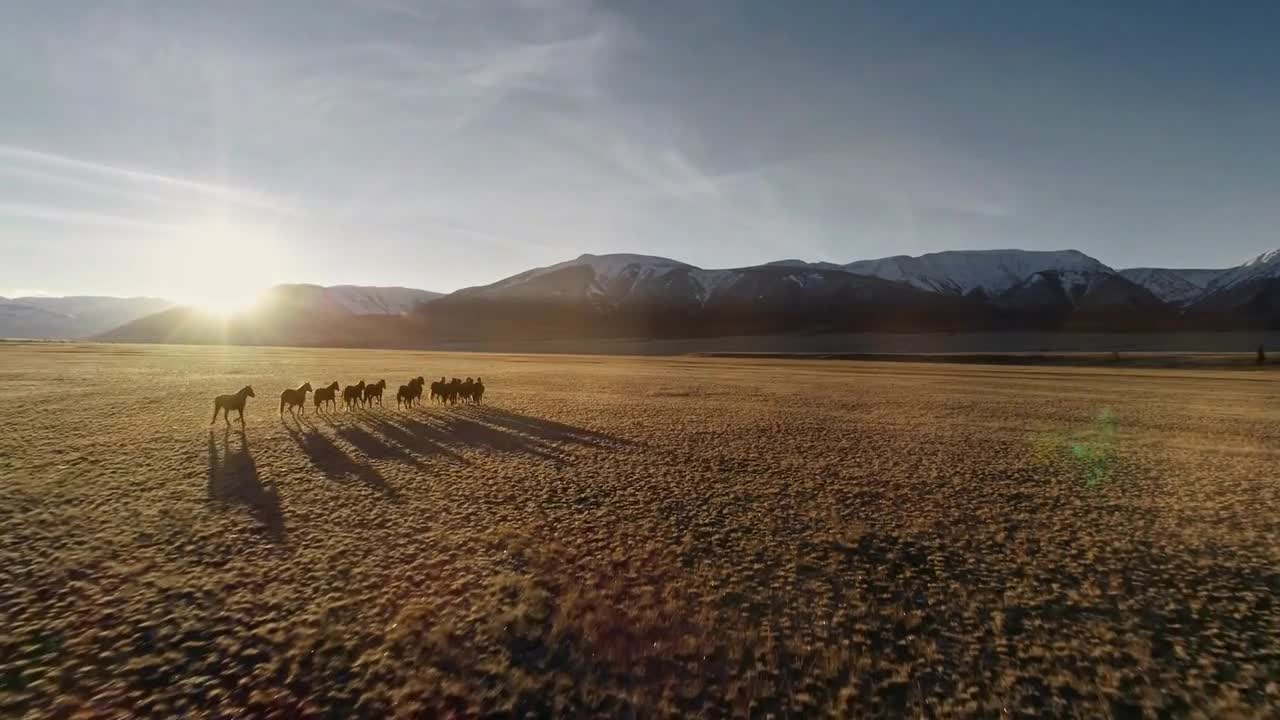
[477, 391]
[374, 391]
[227, 403]
[295, 399]
[437, 389]
[407, 394]
[326, 395]
[353, 395]
[464, 390]
[453, 390]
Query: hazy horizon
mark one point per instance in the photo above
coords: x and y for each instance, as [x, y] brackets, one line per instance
[187, 151]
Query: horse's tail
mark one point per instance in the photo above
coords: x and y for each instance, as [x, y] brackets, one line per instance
[281, 403]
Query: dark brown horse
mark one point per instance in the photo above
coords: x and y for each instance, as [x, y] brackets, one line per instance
[327, 395]
[374, 391]
[227, 403]
[408, 394]
[353, 395]
[295, 399]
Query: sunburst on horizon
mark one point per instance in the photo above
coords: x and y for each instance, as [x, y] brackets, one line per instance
[230, 266]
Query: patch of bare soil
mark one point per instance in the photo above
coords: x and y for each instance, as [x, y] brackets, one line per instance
[635, 537]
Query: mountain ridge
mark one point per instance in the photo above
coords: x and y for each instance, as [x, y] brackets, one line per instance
[83, 316]
[620, 294]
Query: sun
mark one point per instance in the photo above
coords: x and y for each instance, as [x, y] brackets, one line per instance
[226, 267]
[227, 307]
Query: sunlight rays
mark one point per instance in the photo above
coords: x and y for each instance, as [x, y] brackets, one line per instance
[225, 266]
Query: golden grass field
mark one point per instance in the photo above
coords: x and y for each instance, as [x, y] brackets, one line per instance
[623, 537]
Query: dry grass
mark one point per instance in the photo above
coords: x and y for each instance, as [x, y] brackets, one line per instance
[636, 537]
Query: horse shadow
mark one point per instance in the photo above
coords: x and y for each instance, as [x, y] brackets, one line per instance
[376, 448]
[542, 429]
[333, 461]
[462, 430]
[233, 478]
[419, 437]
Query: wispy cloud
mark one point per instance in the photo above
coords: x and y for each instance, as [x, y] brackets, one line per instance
[398, 141]
[75, 169]
[64, 215]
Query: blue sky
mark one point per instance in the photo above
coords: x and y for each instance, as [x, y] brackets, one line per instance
[192, 149]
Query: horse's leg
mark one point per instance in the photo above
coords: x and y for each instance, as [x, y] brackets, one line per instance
[215, 413]
[241, 411]
[226, 412]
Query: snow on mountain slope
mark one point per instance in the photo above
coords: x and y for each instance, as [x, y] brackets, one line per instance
[348, 299]
[585, 277]
[1251, 287]
[959, 272]
[1176, 286]
[1079, 290]
[614, 281]
[361, 300]
[1262, 267]
[792, 262]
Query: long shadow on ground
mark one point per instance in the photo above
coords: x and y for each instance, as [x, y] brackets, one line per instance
[233, 478]
[375, 447]
[410, 436]
[424, 438]
[468, 432]
[437, 434]
[333, 461]
[540, 428]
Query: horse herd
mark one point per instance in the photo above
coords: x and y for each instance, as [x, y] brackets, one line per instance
[360, 395]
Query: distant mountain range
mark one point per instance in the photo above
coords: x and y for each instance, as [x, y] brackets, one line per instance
[623, 295]
[612, 295]
[71, 318]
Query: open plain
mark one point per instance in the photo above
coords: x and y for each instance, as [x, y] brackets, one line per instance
[632, 537]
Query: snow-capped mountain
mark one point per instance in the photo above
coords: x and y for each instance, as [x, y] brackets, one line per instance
[959, 272]
[79, 317]
[642, 295]
[1263, 267]
[951, 290]
[620, 280]
[1089, 291]
[71, 318]
[587, 277]
[347, 299]
[361, 300]
[792, 262]
[1176, 286]
[1252, 288]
